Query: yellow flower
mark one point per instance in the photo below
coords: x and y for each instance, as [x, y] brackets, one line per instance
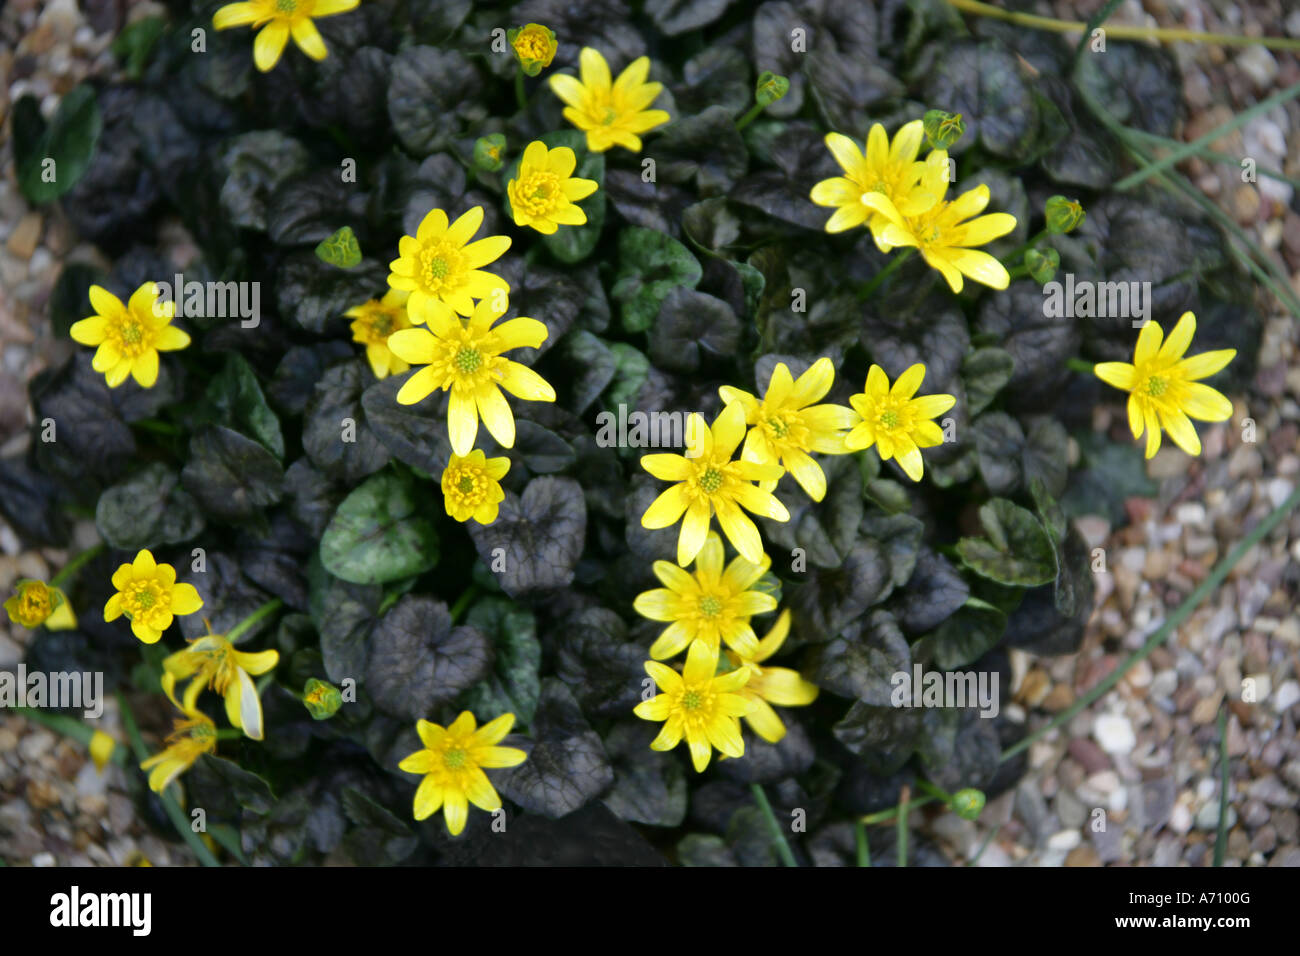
[697, 704]
[785, 424]
[101, 749]
[189, 740]
[374, 321]
[129, 336]
[453, 762]
[471, 486]
[212, 661]
[440, 264]
[35, 603]
[611, 113]
[465, 357]
[708, 482]
[898, 424]
[771, 685]
[147, 593]
[545, 193]
[1162, 386]
[883, 185]
[946, 233]
[708, 607]
[534, 45]
[282, 18]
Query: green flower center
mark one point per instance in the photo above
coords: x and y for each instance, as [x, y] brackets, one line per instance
[145, 599]
[711, 480]
[131, 333]
[468, 359]
[710, 606]
[691, 700]
[436, 269]
[455, 759]
[611, 115]
[778, 426]
[889, 419]
[465, 485]
[1156, 386]
[383, 325]
[286, 6]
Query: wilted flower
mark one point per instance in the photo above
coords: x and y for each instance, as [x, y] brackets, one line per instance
[898, 424]
[147, 593]
[373, 322]
[190, 739]
[611, 113]
[129, 336]
[471, 486]
[212, 661]
[282, 18]
[440, 264]
[545, 194]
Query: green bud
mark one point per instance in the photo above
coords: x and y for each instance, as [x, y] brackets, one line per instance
[340, 250]
[968, 803]
[942, 129]
[489, 152]
[322, 699]
[1063, 215]
[770, 88]
[1042, 263]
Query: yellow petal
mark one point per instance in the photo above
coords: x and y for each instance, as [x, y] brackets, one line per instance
[1181, 337]
[1204, 403]
[269, 44]
[309, 39]
[234, 15]
[1148, 343]
[1119, 374]
[695, 528]
[666, 509]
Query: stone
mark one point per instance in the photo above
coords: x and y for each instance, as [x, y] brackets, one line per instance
[22, 241]
[1064, 840]
[1286, 696]
[1158, 802]
[1083, 856]
[1114, 733]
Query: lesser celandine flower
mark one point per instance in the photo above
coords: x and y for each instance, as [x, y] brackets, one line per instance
[1162, 386]
[546, 192]
[881, 186]
[611, 113]
[534, 47]
[708, 483]
[785, 424]
[212, 661]
[471, 486]
[698, 704]
[190, 739]
[711, 606]
[101, 749]
[147, 593]
[771, 685]
[282, 19]
[453, 762]
[440, 264]
[129, 336]
[373, 322]
[465, 357]
[896, 420]
[35, 603]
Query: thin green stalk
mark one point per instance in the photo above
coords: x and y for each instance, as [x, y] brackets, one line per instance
[78, 730]
[1013, 257]
[174, 811]
[1221, 839]
[864, 849]
[521, 97]
[463, 602]
[984, 846]
[1164, 142]
[782, 847]
[1080, 365]
[870, 286]
[937, 792]
[885, 816]
[1171, 623]
[73, 566]
[1097, 20]
[902, 825]
[270, 607]
[749, 117]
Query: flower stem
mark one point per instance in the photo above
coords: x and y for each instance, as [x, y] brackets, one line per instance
[463, 601]
[1221, 839]
[270, 607]
[749, 117]
[860, 837]
[984, 846]
[1079, 365]
[934, 791]
[520, 96]
[782, 847]
[1012, 259]
[864, 293]
[73, 566]
[885, 816]
[903, 799]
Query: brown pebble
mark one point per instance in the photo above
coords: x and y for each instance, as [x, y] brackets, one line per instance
[23, 240]
[1083, 856]
[1060, 697]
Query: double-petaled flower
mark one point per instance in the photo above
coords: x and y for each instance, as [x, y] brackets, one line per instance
[147, 593]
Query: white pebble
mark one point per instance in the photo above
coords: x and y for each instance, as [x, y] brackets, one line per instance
[1287, 695]
[1114, 733]
[1065, 840]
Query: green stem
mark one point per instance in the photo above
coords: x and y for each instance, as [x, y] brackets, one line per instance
[1221, 839]
[521, 97]
[864, 293]
[884, 816]
[1013, 257]
[153, 425]
[934, 791]
[749, 117]
[174, 811]
[78, 730]
[1097, 20]
[270, 607]
[1164, 142]
[1080, 365]
[73, 566]
[984, 846]
[782, 847]
[463, 602]
[864, 849]
[1167, 629]
[903, 799]
[1019, 272]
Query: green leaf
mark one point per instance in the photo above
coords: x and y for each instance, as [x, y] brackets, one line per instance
[651, 264]
[136, 41]
[984, 372]
[69, 142]
[236, 398]
[247, 789]
[963, 638]
[514, 684]
[1017, 549]
[147, 510]
[378, 535]
[70, 300]
[341, 249]
[378, 837]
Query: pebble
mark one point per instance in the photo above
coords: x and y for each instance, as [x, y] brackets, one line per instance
[1114, 733]
[1288, 693]
[1064, 840]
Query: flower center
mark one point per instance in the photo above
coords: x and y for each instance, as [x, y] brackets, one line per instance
[142, 597]
[778, 427]
[1156, 386]
[889, 418]
[538, 193]
[691, 700]
[710, 606]
[465, 485]
[530, 46]
[455, 759]
[286, 6]
[611, 115]
[468, 359]
[711, 480]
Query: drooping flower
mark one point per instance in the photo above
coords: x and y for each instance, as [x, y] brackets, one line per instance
[101, 749]
[883, 185]
[946, 235]
[35, 603]
[465, 357]
[611, 113]
[712, 605]
[1163, 387]
[785, 424]
[129, 336]
[471, 486]
[546, 192]
[895, 420]
[534, 46]
[771, 685]
[373, 322]
[708, 482]
[190, 739]
[453, 761]
[282, 18]
[212, 661]
[440, 264]
[698, 704]
[147, 593]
